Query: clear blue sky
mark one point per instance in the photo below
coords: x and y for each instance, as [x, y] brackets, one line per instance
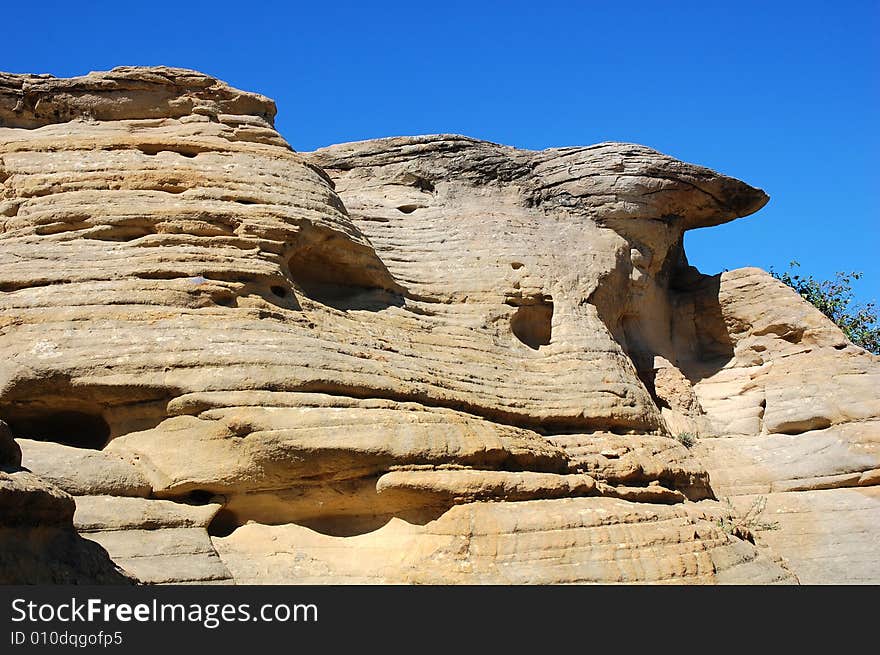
[784, 95]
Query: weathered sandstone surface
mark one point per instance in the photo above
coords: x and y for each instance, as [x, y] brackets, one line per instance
[38, 542]
[419, 359]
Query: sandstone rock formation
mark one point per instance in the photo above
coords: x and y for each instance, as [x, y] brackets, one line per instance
[38, 543]
[422, 359]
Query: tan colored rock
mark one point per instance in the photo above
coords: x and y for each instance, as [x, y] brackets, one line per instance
[535, 542]
[417, 359]
[38, 543]
[156, 541]
[28, 500]
[795, 408]
[829, 536]
[323, 437]
[834, 457]
[636, 461]
[462, 485]
[83, 471]
[788, 369]
[125, 93]
[653, 493]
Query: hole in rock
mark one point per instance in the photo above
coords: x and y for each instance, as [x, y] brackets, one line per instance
[516, 265]
[199, 497]
[223, 524]
[532, 324]
[793, 336]
[154, 149]
[408, 209]
[280, 295]
[354, 525]
[68, 427]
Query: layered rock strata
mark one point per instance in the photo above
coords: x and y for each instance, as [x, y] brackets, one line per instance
[422, 359]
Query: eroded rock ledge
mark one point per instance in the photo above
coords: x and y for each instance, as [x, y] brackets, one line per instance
[416, 359]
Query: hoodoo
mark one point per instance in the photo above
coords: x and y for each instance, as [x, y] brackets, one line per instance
[424, 359]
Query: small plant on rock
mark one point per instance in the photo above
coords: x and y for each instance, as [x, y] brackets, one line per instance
[743, 525]
[686, 439]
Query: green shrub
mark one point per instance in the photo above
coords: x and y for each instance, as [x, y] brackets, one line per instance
[686, 439]
[834, 298]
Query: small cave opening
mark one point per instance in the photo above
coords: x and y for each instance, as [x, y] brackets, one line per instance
[532, 324]
[153, 149]
[278, 291]
[199, 497]
[407, 209]
[68, 427]
[223, 524]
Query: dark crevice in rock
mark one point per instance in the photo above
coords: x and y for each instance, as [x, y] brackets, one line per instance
[181, 149]
[199, 497]
[700, 323]
[346, 297]
[119, 234]
[82, 416]
[79, 429]
[224, 523]
[278, 291]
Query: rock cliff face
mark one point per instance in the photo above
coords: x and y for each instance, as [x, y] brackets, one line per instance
[422, 359]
